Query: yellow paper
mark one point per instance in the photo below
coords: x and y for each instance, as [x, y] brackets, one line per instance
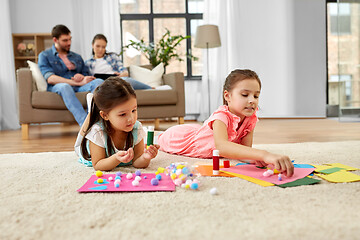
[250, 179]
[340, 177]
[339, 165]
[321, 167]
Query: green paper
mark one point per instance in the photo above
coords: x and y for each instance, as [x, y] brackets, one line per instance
[330, 170]
[299, 182]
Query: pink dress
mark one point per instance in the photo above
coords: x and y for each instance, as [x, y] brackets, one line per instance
[194, 140]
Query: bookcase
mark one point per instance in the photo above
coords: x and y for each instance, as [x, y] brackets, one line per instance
[27, 46]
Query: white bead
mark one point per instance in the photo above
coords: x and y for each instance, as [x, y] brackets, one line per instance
[135, 183]
[213, 191]
[129, 176]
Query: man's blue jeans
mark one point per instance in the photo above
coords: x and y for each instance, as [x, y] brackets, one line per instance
[67, 92]
[136, 85]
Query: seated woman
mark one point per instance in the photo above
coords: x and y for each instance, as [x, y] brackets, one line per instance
[109, 63]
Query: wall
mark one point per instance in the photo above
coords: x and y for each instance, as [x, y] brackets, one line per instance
[284, 41]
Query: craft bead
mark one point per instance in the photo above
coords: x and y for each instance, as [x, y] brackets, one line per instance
[116, 185]
[135, 183]
[118, 174]
[110, 178]
[158, 177]
[129, 176]
[117, 181]
[213, 191]
[145, 177]
[161, 170]
[194, 186]
[117, 177]
[138, 173]
[154, 182]
[98, 173]
[138, 178]
[185, 170]
[100, 180]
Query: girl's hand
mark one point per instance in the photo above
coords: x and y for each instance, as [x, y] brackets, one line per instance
[151, 152]
[125, 156]
[280, 162]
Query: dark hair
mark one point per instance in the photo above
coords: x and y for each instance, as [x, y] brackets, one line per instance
[112, 92]
[236, 76]
[59, 30]
[97, 37]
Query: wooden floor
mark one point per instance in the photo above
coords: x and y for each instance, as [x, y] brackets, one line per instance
[59, 137]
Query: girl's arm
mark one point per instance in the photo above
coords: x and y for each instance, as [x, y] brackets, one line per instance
[237, 151]
[142, 158]
[101, 162]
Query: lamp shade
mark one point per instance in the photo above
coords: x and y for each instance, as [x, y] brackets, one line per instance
[207, 36]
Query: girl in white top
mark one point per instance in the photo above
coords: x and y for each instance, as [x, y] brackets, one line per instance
[111, 136]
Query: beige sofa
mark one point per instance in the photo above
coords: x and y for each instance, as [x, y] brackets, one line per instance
[46, 107]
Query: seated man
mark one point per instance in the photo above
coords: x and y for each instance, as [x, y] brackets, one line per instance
[66, 73]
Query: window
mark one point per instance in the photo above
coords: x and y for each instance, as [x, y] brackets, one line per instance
[341, 20]
[149, 19]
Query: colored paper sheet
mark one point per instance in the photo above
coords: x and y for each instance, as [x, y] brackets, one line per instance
[340, 177]
[207, 170]
[253, 171]
[330, 170]
[299, 182]
[165, 184]
[250, 179]
[321, 167]
[339, 165]
[241, 163]
[300, 165]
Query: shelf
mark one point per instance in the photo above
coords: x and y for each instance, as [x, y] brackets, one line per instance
[38, 41]
[25, 57]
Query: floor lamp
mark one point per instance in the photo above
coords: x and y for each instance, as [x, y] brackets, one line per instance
[207, 36]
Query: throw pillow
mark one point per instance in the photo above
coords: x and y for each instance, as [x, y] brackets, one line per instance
[38, 77]
[150, 77]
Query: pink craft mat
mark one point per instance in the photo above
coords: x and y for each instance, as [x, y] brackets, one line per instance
[253, 171]
[165, 184]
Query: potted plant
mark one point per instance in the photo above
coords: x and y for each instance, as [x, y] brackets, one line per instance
[163, 51]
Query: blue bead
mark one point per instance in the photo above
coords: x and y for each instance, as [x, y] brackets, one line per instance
[158, 177]
[194, 186]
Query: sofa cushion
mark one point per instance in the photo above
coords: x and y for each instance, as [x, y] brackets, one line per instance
[50, 100]
[156, 97]
[39, 79]
[152, 77]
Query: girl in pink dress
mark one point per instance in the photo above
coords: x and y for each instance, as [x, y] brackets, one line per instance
[229, 129]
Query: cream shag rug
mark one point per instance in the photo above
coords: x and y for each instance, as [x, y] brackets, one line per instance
[39, 201]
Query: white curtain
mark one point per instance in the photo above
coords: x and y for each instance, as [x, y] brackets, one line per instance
[8, 102]
[222, 59]
[92, 17]
[276, 39]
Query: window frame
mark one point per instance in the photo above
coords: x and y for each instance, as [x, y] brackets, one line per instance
[150, 18]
